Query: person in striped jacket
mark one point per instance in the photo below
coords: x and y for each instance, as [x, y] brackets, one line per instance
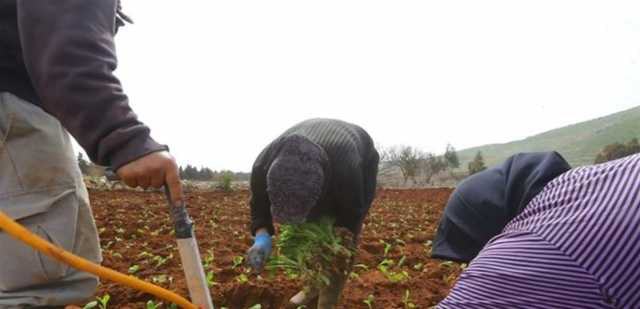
[317, 168]
[483, 203]
[574, 245]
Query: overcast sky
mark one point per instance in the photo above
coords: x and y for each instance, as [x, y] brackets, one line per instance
[218, 80]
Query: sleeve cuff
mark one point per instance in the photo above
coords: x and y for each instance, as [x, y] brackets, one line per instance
[135, 149]
[258, 225]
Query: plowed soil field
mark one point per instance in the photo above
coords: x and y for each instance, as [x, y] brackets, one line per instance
[136, 237]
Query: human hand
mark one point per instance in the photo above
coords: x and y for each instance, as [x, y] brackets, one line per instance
[258, 254]
[153, 170]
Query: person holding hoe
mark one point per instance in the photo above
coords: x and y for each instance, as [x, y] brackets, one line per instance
[57, 59]
[317, 168]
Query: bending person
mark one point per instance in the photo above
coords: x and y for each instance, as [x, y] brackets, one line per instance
[320, 167]
[483, 204]
[575, 245]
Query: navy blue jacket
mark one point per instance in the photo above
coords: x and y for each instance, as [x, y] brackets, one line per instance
[482, 204]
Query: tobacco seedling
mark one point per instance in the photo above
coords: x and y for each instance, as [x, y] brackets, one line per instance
[211, 279]
[385, 268]
[369, 301]
[100, 302]
[387, 247]
[237, 261]
[310, 251]
[208, 260]
[162, 260]
[362, 266]
[406, 300]
[160, 278]
[401, 262]
[448, 264]
[134, 269]
[152, 305]
[242, 279]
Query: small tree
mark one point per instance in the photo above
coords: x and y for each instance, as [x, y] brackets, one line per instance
[431, 166]
[633, 146]
[407, 158]
[477, 165]
[225, 180]
[451, 157]
[617, 150]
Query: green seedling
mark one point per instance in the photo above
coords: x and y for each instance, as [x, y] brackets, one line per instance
[162, 260]
[256, 306]
[369, 301]
[237, 261]
[100, 302]
[361, 266]
[401, 262]
[448, 264]
[145, 254]
[310, 251]
[395, 277]
[406, 300]
[208, 260]
[134, 269]
[153, 305]
[91, 305]
[387, 247]
[242, 279]
[108, 245]
[160, 279]
[354, 275]
[210, 279]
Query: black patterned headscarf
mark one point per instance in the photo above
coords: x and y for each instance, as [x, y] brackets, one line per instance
[295, 179]
[483, 204]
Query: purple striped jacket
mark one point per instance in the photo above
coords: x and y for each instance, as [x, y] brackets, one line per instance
[575, 245]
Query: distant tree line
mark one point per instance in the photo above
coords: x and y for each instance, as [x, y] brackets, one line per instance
[188, 172]
[419, 166]
[618, 150]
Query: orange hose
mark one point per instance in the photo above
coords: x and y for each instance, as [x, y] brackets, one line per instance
[19, 232]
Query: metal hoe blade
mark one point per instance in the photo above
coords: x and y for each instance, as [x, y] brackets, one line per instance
[188, 248]
[190, 255]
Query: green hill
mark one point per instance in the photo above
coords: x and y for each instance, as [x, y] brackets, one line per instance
[578, 143]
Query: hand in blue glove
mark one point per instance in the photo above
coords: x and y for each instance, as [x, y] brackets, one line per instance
[260, 251]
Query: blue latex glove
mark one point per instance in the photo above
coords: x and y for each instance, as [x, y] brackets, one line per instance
[260, 251]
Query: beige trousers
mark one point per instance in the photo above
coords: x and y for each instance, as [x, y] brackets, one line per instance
[41, 187]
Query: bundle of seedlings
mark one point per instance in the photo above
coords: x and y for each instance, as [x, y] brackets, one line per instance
[312, 252]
